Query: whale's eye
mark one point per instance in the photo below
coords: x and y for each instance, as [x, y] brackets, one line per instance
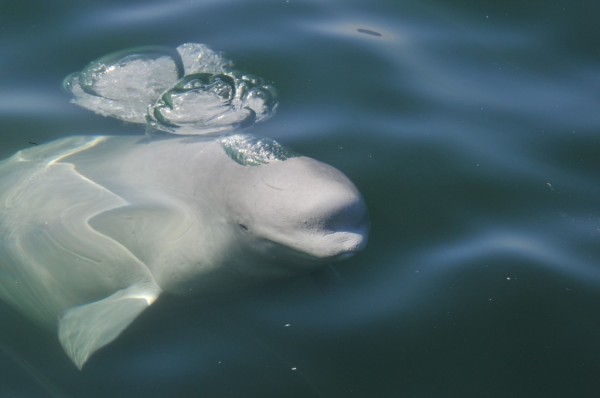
[243, 227]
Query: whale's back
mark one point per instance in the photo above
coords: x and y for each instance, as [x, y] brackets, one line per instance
[51, 259]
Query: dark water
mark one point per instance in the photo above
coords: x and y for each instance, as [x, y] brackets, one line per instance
[472, 129]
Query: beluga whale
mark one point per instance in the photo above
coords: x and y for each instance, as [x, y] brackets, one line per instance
[94, 229]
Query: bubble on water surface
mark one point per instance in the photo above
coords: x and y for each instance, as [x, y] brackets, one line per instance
[249, 150]
[199, 58]
[191, 90]
[123, 84]
[211, 104]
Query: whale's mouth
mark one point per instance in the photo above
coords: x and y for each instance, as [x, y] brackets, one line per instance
[307, 248]
[338, 245]
[356, 244]
[344, 256]
[337, 236]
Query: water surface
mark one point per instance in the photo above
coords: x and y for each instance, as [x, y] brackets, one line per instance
[472, 131]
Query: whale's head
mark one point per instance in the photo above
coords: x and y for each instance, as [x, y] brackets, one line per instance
[297, 207]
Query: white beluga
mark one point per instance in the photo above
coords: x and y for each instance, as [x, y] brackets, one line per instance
[93, 229]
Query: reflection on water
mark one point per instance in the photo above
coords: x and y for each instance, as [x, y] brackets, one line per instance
[471, 129]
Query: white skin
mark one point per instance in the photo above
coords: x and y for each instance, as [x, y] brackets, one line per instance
[94, 229]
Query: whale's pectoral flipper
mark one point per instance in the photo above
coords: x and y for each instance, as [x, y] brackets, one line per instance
[84, 329]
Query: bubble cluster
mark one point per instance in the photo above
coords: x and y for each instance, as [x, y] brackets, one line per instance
[249, 150]
[191, 90]
[206, 103]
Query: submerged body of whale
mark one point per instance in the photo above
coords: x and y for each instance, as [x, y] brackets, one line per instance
[94, 229]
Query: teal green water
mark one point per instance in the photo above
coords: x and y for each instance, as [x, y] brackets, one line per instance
[473, 131]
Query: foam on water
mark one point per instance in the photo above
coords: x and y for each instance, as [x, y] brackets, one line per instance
[123, 84]
[249, 150]
[192, 90]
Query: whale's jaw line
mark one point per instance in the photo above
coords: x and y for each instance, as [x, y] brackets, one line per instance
[323, 247]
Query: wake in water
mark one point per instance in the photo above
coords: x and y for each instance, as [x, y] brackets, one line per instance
[191, 90]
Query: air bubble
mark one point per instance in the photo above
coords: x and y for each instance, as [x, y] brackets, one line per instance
[202, 104]
[249, 150]
[191, 90]
[123, 84]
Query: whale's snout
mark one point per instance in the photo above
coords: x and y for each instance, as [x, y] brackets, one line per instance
[316, 210]
[341, 222]
[305, 206]
[348, 240]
